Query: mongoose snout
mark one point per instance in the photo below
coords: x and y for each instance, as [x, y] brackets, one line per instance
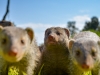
[13, 52]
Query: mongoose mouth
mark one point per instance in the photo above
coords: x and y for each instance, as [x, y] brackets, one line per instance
[13, 58]
[86, 68]
[52, 43]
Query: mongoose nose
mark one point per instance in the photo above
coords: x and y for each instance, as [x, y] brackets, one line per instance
[13, 52]
[84, 66]
[51, 38]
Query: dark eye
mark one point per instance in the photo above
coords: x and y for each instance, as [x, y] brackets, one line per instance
[78, 53]
[93, 53]
[22, 41]
[48, 33]
[58, 33]
[4, 41]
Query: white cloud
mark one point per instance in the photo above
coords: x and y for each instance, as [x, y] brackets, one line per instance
[39, 29]
[80, 20]
[84, 11]
[99, 18]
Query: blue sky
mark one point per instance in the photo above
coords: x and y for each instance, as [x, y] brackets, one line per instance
[41, 14]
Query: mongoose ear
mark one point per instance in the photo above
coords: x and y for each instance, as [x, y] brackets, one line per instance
[30, 33]
[46, 31]
[1, 28]
[71, 42]
[99, 42]
[67, 32]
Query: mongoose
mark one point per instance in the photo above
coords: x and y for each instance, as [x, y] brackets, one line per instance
[18, 48]
[85, 53]
[55, 51]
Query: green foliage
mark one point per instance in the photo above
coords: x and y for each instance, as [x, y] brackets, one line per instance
[14, 71]
[97, 32]
[87, 73]
[93, 24]
[40, 70]
[72, 28]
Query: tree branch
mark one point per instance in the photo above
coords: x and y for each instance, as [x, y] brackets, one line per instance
[7, 10]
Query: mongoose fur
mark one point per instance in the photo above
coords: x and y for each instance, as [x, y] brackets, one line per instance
[55, 51]
[18, 48]
[85, 53]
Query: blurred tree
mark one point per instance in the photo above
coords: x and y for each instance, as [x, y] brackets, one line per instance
[99, 28]
[93, 24]
[72, 28]
[87, 26]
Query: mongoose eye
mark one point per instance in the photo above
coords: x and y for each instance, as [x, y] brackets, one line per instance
[4, 41]
[78, 53]
[93, 52]
[58, 33]
[22, 41]
[48, 33]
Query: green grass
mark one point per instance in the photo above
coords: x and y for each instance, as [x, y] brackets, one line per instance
[40, 70]
[15, 71]
[87, 73]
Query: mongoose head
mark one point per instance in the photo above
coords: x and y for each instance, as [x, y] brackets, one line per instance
[15, 42]
[85, 52]
[56, 35]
